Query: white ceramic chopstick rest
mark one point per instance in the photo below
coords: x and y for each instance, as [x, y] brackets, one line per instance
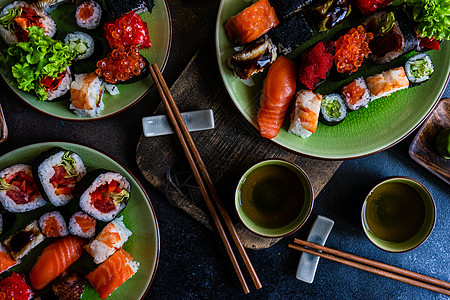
[318, 234]
[195, 121]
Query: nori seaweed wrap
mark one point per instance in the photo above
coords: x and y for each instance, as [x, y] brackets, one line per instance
[332, 110]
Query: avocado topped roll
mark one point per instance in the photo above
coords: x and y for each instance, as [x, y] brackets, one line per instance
[103, 194]
[58, 170]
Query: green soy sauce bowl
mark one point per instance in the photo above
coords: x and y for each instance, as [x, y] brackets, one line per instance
[274, 198]
[398, 214]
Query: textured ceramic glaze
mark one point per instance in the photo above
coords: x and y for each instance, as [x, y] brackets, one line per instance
[383, 123]
[160, 30]
[138, 216]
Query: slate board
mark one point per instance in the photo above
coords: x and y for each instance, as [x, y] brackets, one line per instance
[228, 150]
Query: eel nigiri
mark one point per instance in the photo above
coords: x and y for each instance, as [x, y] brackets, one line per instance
[279, 88]
[252, 22]
[55, 258]
[112, 273]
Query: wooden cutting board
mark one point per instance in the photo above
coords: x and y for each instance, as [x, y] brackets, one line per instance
[228, 150]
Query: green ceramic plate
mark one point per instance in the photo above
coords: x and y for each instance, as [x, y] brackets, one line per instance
[160, 31]
[139, 216]
[366, 131]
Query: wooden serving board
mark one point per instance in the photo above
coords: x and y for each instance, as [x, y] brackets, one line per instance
[228, 150]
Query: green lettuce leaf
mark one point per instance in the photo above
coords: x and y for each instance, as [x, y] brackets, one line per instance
[432, 16]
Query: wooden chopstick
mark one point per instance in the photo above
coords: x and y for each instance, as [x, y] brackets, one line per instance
[199, 170]
[375, 267]
[4, 128]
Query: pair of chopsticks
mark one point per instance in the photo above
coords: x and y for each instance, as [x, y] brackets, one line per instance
[375, 267]
[204, 181]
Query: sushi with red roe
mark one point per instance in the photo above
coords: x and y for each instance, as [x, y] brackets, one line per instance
[316, 63]
[128, 30]
[15, 288]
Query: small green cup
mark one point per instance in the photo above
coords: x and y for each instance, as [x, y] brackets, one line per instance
[398, 214]
[274, 198]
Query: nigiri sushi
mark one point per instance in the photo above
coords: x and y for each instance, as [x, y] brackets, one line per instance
[305, 115]
[279, 88]
[252, 22]
[384, 84]
[86, 93]
[55, 258]
[112, 273]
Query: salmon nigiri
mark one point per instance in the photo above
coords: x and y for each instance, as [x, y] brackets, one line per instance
[252, 22]
[279, 88]
[55, 258]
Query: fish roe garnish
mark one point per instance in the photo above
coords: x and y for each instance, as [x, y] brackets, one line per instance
[120, 65]
[128, 30]
[351, 50]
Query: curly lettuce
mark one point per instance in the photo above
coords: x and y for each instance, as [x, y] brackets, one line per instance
[41, 56]
[432, 16]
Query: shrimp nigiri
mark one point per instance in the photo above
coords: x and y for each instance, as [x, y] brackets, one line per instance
[279, 88]
[55, 258]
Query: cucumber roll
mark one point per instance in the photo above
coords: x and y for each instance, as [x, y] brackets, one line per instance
[419, 68]
[81, 43]
[57, 171]
[332, 109]
[103, 194]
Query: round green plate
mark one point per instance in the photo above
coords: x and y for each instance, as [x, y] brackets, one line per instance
[160, 31]
[139, 216]
[382, 124]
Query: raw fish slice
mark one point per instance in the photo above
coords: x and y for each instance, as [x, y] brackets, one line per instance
[279, 88]
[6, 260]
[55, 258]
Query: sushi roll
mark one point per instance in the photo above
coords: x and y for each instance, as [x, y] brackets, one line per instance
[81, 43]
[82, 224]
[316, 63]
[69, 285]
[393, 33]
[252, 22]
[285, 8]
[88, 14]
[18, 189]
[52, 224]
[330, 13]
[16, 17]
[6, 261]
[419, 68]
[305, 115]
[128, 30]
[291, 33]
[57, 87]
[356, 94]
[112, 273]
[253, 59]
[86, 93]
[15, 287]
[118, 8]
[111, 238]
[23, 241]
[57, 171]
[332, 110]
[103, 194]
[384, 84]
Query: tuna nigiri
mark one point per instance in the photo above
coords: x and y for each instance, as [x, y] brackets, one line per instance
[252, 22]
[279, 88]
[112, 273]
[55, 258]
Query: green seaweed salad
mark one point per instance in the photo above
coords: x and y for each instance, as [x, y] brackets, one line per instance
[36, 59]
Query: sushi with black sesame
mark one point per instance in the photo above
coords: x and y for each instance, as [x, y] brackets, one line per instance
[356, 94]
[332, 110]
[22, 242]
[419, 68]
[285, 8]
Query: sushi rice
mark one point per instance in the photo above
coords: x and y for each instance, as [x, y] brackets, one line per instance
[50, 229]
[86, 93]
[386, 83]
[76, 229]
[419, 68]
[305, 115]
[356, 94]
[63, 87]
[81, 43]
[88, 14]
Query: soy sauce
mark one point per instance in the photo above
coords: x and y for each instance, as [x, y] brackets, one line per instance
[272, 196]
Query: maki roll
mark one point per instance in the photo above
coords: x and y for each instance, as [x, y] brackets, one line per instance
[291, 33]
[82, 224]
[316, 63]
[332, 110]
[252, 22]
[285, 8]
[103, 194]
[15, 287]
[81, 43]
[128, 30]
[384, 84]
[23, 241]
[356, 94]
[52, 224]
[118, 8]
[305, 115]
[86, 93]
[18, 190]
[109, 240]
[330, 13]
[6, 261]
[253, 59]
[17, 17]
[88, 14]
[419, 68]
[393, 34]
[58, 170]
[59, 86]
